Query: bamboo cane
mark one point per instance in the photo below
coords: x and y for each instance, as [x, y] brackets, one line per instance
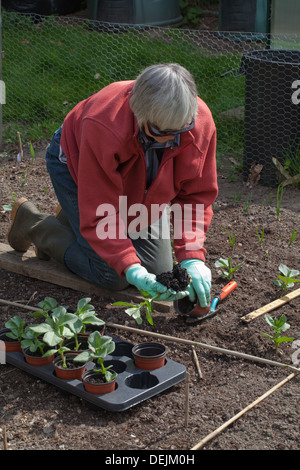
[241, 413]
[197, 362]
[174, 339]
[204, 345]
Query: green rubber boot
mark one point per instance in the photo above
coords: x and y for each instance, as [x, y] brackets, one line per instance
[29, 226]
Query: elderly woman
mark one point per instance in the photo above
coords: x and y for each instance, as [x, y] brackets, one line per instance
[133, 146]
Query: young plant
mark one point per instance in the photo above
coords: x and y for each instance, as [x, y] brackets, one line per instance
[260, 236]
[135, 311]
[287, 277]
[293, 236]
[279, 326]
[31, 340]
[16, 327]
[231, 238]
[47, 305]
[87, 315]
[99, 348]
[57, 327]
[226, 267]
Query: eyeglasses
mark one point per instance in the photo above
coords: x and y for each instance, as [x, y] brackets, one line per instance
[156, 132]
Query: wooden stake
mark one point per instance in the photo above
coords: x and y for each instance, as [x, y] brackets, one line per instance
[197, 362]
[241, 413]
[187, 399]
[271, 306]
[5, 445]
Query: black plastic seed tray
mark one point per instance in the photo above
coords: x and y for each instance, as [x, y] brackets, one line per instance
[133, 385]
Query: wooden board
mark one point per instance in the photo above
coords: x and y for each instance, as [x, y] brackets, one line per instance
[29, 265]
[271, 306]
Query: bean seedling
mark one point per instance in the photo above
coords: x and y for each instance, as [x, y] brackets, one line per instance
[135, 310]
[226, 267]
[279, 326]
[99, 348]
[16, 327]
[287, 277]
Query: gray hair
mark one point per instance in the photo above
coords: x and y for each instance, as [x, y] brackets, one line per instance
[165, 95]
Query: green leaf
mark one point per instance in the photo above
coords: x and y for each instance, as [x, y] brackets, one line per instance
[83, 305]
[124, 304]
[85, 356]
[52, 339]
[284, 339]
[284, 269]
[149, 318]
[48, 304]
[49, 352]
[41, 328]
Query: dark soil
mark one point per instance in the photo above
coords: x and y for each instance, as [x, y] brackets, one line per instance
[39, 416]
[178, 279]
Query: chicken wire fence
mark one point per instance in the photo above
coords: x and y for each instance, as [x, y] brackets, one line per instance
[250, 81]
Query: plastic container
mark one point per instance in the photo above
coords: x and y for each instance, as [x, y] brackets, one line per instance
[148, 12]
[133, 385]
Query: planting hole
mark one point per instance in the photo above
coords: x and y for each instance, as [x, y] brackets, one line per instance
[123, 349]
[143, 380]
[117, 366]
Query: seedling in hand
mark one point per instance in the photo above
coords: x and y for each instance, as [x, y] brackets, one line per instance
[287, 278]
[136, 310]
[99, 348]
[279, 326]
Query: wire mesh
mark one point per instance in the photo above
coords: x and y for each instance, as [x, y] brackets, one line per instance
[51, 63]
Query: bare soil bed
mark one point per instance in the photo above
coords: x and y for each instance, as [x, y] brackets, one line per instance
[39, 416]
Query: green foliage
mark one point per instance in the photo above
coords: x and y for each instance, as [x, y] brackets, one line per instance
[286, 279]
[191, 13]
[260, 236]
[226, 267]
[136, 310]
[31, 340]
[16, 327]
[293, 236]
[60, 325]
[231, 238]
[279, 326]
[99, 348]
[87, 315]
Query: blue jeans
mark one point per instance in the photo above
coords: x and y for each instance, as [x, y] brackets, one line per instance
[80, 258]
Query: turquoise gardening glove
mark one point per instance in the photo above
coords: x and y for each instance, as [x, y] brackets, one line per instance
[145, 281]
[199, 288]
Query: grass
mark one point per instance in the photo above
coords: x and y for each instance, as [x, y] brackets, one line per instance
[51, 65]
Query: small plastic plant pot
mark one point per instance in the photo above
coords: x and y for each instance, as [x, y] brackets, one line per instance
[37, 360]
[93, 382]
[149, 356]
[10, 344]
[186, 307]
[68, 373]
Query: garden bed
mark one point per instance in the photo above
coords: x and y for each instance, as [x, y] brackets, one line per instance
[37, 415]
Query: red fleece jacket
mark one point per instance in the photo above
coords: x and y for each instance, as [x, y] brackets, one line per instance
[106, 160]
